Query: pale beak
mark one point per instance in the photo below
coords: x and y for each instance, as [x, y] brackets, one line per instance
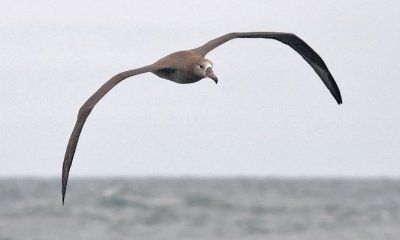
[210, 74]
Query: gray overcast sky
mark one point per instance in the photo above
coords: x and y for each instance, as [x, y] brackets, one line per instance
[269, 115]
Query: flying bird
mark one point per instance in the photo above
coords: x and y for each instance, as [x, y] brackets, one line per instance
[190, 66]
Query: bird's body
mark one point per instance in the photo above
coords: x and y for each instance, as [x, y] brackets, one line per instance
[188, 67]
[179, 67]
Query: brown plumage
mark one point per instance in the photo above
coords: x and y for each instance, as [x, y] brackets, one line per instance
[188, 67]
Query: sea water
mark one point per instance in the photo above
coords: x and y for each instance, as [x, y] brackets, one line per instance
[200, 208]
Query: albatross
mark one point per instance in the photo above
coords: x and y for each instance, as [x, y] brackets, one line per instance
[190, 66]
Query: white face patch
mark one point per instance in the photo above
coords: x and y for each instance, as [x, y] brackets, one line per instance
[200, 68]
[208, 64]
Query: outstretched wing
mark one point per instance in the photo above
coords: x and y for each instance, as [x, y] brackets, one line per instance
[84, 112]
[291, 40]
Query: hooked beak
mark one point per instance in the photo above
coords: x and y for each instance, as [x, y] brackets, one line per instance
[210, 74]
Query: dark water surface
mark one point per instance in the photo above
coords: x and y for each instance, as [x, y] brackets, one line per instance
[189, 208]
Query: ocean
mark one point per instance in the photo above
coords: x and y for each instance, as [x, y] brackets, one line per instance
[200, 208]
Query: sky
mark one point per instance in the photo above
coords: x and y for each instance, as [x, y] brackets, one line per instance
[269, 115]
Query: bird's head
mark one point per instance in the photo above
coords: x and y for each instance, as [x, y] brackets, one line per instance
[203, 69]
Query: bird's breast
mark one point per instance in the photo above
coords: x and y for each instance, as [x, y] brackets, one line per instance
[176, 75]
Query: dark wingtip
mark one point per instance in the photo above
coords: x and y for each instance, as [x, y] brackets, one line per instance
[339, 99]
[336, 94]
[328, 80]
[63, 195]
[64, 182]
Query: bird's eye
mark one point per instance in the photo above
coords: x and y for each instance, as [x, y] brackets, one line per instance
[201, 66]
